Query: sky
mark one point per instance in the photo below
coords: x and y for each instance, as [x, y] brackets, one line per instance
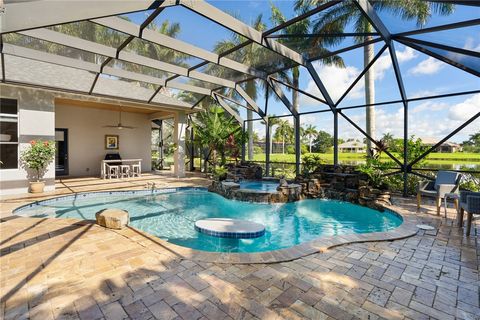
[422, 75]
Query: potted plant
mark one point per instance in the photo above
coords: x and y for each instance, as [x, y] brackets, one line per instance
[37, 157]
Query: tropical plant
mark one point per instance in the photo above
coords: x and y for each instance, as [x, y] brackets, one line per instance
[310, 163]
[415, 148]
[156, 52]
[38, 155]
[220, 173]
[233, 145]
[212, 131]
[377, 168]
[388, 140]
[249, 55]
[470, 181]
[337, 18]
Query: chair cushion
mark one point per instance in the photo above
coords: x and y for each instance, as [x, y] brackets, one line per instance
[432, 193]
[446, 177]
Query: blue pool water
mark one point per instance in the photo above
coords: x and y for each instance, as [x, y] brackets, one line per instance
[268, 186]
[171, 216]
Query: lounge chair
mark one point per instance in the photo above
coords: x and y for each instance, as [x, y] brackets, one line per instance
[470, 202]
[446, 182]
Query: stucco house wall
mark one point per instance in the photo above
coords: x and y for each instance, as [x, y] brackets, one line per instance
[86, 137]
[36, 120]
[39, 115]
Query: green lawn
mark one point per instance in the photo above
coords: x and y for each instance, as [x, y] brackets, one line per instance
[434, 158]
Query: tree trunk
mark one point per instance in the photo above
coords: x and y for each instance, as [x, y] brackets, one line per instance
[295, 81]
[310, 145]
[214, 158]
[251, 91]
[205, 160]
[250, 135]
[369, 52]
[283, 145]
[271, 141]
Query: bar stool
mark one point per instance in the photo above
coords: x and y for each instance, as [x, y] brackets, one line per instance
[112, 171]
[125, 171]
[135, 172]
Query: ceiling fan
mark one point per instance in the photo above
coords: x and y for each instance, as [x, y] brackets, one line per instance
[119, 126]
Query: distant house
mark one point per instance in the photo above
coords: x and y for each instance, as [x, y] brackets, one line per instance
[446, 147]
[353, 146]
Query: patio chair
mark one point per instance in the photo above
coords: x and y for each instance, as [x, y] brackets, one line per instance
[112, 171]
[470, 202]
[446, 182]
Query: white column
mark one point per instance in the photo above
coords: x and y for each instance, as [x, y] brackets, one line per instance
[179, 128]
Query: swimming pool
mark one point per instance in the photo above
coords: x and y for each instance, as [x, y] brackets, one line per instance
[269, 186]
[171, 214]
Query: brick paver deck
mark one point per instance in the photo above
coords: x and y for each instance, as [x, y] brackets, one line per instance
[65, 269]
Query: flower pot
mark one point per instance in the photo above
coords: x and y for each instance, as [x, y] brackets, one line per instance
[37, 186]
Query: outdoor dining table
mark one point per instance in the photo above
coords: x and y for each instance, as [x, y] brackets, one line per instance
[103, 168]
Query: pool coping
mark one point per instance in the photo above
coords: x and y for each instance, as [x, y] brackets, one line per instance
[406, 229]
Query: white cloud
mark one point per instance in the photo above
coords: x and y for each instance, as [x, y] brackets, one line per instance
[470, 44]
[427, 66]
[406, 55]
[337, 80]
[426, 93]
[429, 106]
[428, 119]
[384, 63]
[466, 109]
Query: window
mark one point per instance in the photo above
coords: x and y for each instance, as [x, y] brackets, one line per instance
[8, 134]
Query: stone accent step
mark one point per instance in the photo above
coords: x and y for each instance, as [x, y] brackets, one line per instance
[112, 218]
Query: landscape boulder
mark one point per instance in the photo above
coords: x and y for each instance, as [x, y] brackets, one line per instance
[112, 218]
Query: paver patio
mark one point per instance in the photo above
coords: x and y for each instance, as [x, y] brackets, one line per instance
[65, 269]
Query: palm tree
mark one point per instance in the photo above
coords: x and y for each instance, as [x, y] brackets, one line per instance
[157, 52]
[388, 139]
[283, 132]
[249, 55]
[300, 45]
[310, 133]
[272, 121]
[337, 18]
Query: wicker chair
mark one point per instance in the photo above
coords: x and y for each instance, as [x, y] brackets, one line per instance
[446, 182]
[470, 202]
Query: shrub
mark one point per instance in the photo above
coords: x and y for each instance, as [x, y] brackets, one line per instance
[257, 150]
[304, 149]
[375, 169]
[220, 173]
[310, 163]
[38, 156]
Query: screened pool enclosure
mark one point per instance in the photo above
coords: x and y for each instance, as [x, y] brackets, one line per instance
[125, 49]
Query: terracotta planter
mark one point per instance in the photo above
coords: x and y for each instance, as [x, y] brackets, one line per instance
[37, 186]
